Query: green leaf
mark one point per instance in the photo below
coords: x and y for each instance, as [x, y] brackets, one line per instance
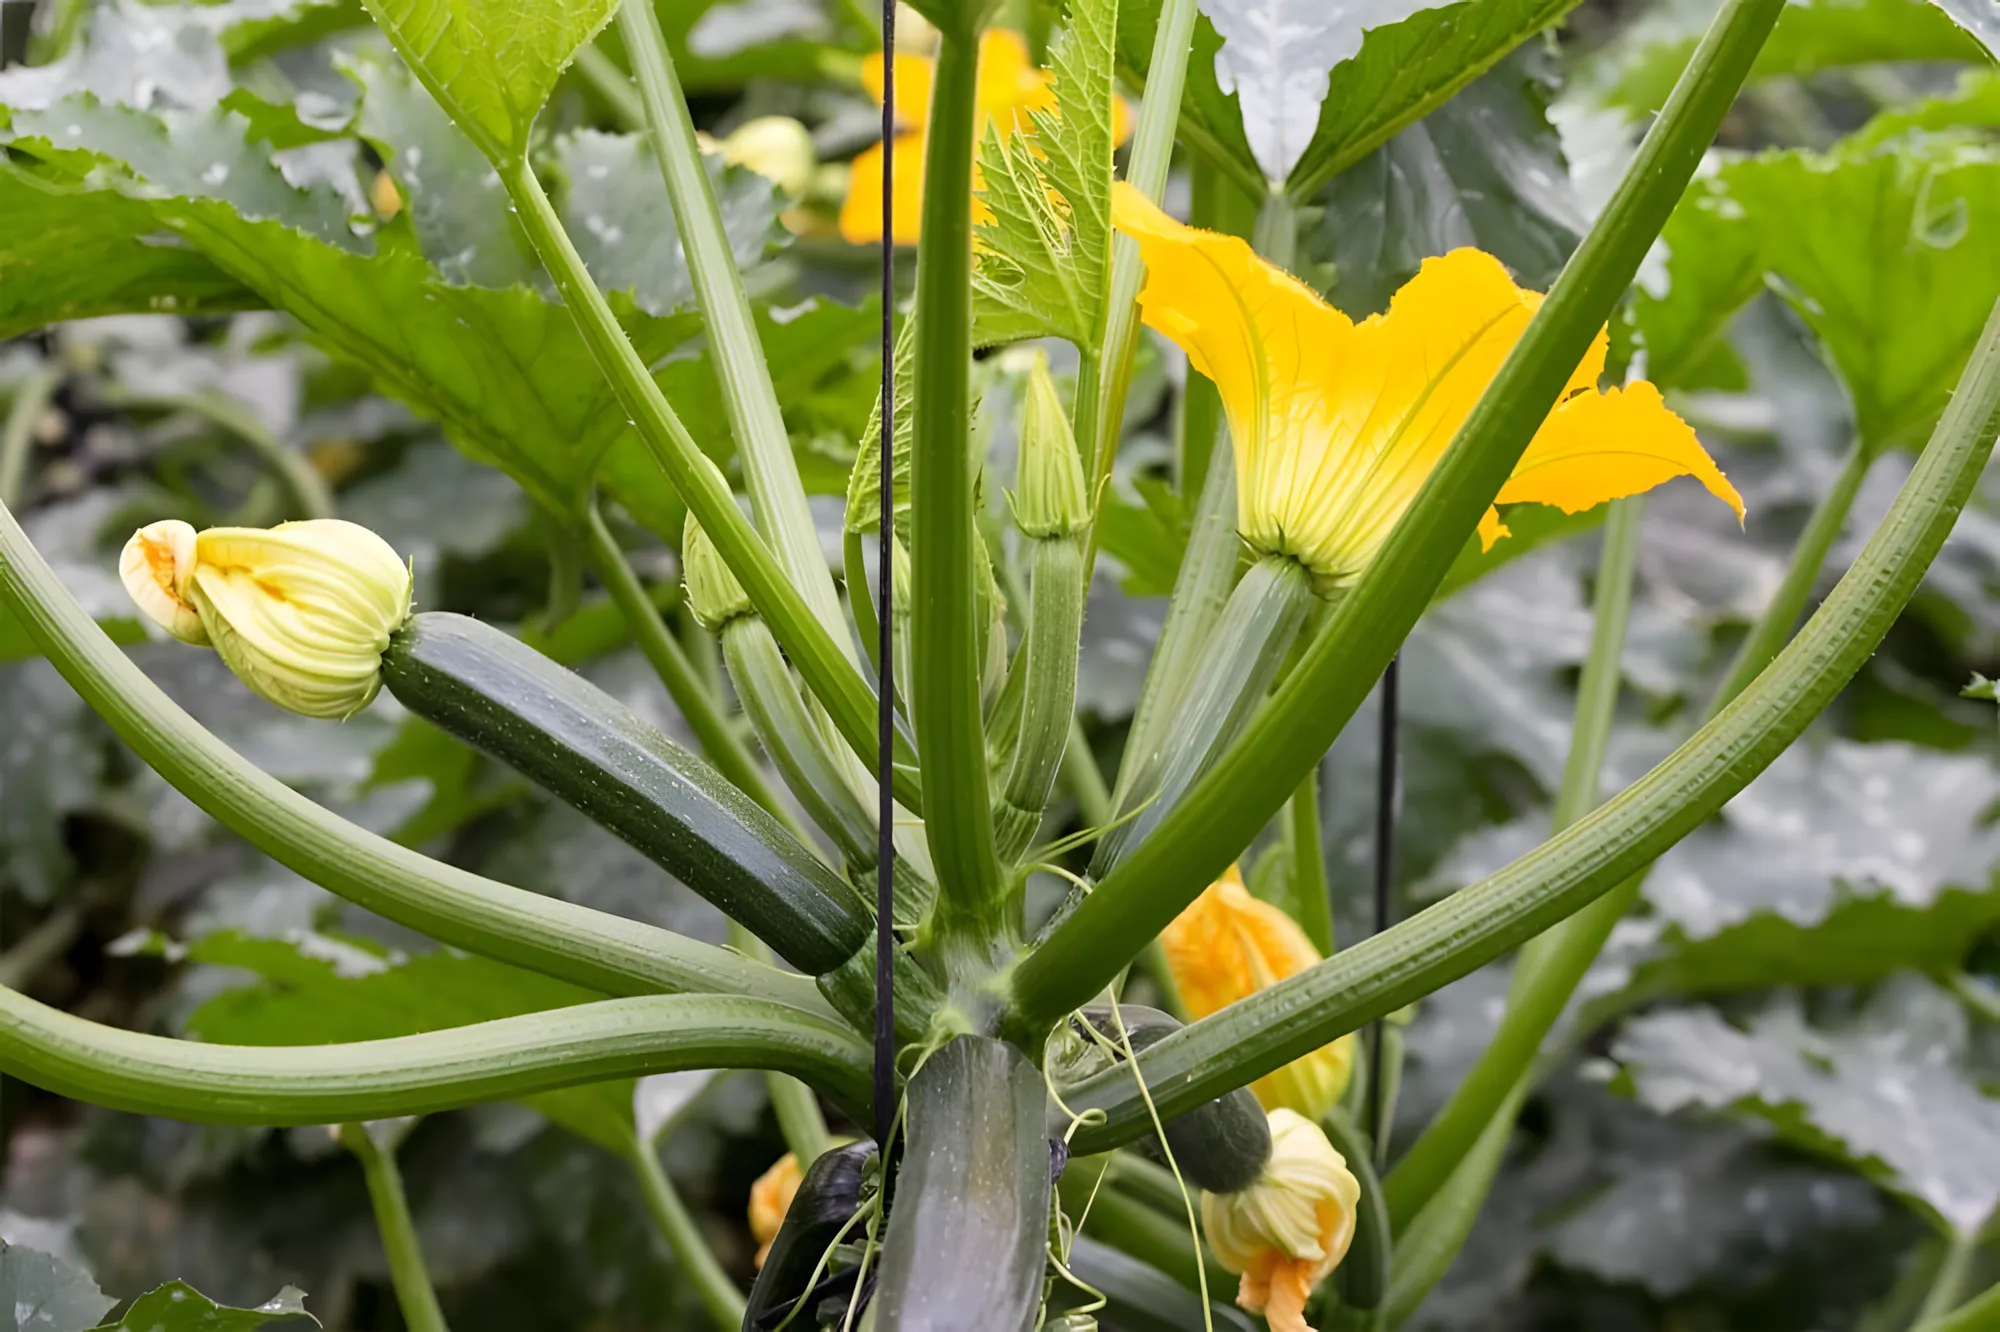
[491, 64]
[179, 1307]
[1486, 170]
[1045, 266]
[322, 990]
[1888, 1089]
[1639, 69]
[93, 254]
[503, 371]
[42, 1294]
[864, 481]
[1149, 538]
[723, 44]
[1714, 267]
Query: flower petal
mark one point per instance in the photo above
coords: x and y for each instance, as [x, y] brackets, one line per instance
[157, 568]
[1009, 84]
[913, 87]
[861, 211]
[1597, 447]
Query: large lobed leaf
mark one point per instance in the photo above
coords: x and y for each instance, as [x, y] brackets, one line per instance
[1046, 259]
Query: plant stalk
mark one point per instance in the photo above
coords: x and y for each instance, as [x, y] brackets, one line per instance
[1594, 855]
[1299, 724]
[1829, 516]
[407, 1273]
[1048, 697]
[944, 691]
[1552, 965]
[557, 938]
[1312, 908]
[718, 1294]
[1947, 1287]
[17, 434]
[719, 740]
[828, 671]
[735, 351]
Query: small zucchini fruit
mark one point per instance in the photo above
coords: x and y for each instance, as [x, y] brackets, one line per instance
[795, 1268]
[569, 737]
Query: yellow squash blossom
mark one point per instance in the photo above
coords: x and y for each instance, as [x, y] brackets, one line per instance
[770, 1198]
[1336, 425]
[1226, 946]
[1010, 88]
[1287, 1231]
[301, 612]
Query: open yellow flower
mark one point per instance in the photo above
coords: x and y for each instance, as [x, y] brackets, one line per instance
[1336, 425]
[1287, 1231]
[301, 612]
[770, 1198]
[1010, 88]
[1226, 946]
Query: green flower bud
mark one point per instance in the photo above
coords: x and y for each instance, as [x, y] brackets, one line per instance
[1050, 498]
[713, 593]
[301, 612]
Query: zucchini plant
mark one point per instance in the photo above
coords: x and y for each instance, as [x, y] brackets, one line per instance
[1052, 1042]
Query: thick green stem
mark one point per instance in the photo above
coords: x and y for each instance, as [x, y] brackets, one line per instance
[1808, 557]
[1427, 1247]
[1249, 644]
[1145, 171]
[1300, 723]
[1948, 1286]
[505, 1059]
[1048, 697]
[789, 735]
[860, 597]
[588, 948]
[734, 349]
[17, 434]
[944, 694]
[1085, 780]
[1311, 906]
[826, 667]
[718, 739]
[797, 1111]
[1551, 966]
[682, 1233]
[1979, 1315]
[407, 1273]
[1569, 871]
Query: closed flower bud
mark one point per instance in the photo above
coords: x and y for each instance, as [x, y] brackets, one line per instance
[301, 612]
[1287, 1231]
[777, 148]
[1050, 498]
[1226, 946]
[770, 1198]
[713, 593]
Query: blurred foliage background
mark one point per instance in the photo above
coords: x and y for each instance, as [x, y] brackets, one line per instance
[1777, 1094]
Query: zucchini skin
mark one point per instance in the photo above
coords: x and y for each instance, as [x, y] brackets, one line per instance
[489, 689]
[827, 1198]
[1222, 1146]
[969, 1223]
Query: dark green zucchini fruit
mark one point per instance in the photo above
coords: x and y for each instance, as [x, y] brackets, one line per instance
[827, 1198]
[969, 1221]
[1222, 1146]
[575, 741]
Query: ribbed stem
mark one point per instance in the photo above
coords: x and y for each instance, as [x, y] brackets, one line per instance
[1048, 691]
[1947, 1288]
[17, 434]
[1241, 658]
[944, 692]
[720, 743]
[589, 948]
[795, 744]
[1298, 726]
[827, 669]
[407, 1273]
[1569, 871]
[1552, 965]
[1311, 905]
[1084, 778]
[734, 349]
[1978, 1315]
[719, 1295]
[1774, 626]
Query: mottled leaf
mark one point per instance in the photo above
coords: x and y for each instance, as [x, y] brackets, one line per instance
[179, 1307]
[42, 1294]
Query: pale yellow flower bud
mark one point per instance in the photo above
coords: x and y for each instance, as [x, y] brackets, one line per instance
[157, 566]
[770, 1198]
[777, 148]
[1226, 946]
[301, 612]
[1286, 1232]
[1050, 497]
[713, 593]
